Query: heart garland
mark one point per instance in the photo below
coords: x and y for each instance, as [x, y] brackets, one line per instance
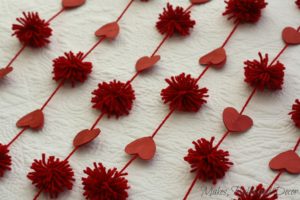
[237, 122]
[67, 68]
[39, 38]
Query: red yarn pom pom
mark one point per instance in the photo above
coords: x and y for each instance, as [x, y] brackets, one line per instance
[244, 10]
[207, 161]
[32, 30]
[255, 193]
[103, 185]
[295, 114]
[175, 21]
[184, 94]
[51, 176]
[71, 68]
[262, 75]
[298, 3]
[5, 160]
[113, 98]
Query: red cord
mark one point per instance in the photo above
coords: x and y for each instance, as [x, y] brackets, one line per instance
[38, 194]
[125, 10]
[94, 46]
[189, 8]
[162, 123]
[16, 137]
[230, 34]
[190, 188]
[56, 15]
[71, 153]
[128, 163]
[16, 56]
[52, 95]
[97, 121]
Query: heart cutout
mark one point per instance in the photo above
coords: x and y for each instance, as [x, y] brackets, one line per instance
[85, 136]
[199, 1]
[34, 120]
[217, 58]
[291, 36]
[5, 71]
[144, 147]
[146, 63]
[72, 3]
[288, 161]
[235, 122]
[110, 30]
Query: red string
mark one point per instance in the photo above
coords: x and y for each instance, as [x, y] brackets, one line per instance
[54, 16]
[38, 194]
[203, 73]
[16, 56]
[71, 153]
[190, 188]
[97, 121]
[128, 163]
[16, 137]
[52, 95]
[230, 35]
[162, 123]
[189, 8]
[94, 46]
[248, 100]
[125, 10]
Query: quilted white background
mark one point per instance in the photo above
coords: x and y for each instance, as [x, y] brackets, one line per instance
[167, 176]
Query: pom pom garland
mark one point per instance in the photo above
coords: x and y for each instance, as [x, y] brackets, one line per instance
[173, 21]
[255, 193]
[244, 11]
[113, 98]
[259, 74]
[207, 161]
[184, 94]
[32, 30]
[71, 68]
[51, 175]
[5, 160]
[102, 184]
[295, 113]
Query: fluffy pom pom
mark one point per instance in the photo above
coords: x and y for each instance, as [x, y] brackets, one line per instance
[51, 176]
[207, 161]
[255, 193]
[258, 73]
[102, 184]
[113, 98]
[295, 113]
[298, 3]
[5, 160]
[184, 94]
[244, 11]
[71, 68]
[32, 30]
[175, 21]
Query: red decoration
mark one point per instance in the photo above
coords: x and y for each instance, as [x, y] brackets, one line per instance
[144, 147]
[86, 136]
[32, 30]
[244, 11]
[291, 36]
[261, 75]
[176, 20]
[295, 114]
[207, 161]
[110, 30]
[34, 120]
[215, 58]
[298, 3]
[5, 159]
[146, 62]
[199, 1]
[5, 71]
[104, 184]
[72, 3]
[51, 176]
[71, 68]
[184, 94]
[289, 161]
[236, 122]
[113, 98]
[255, 193]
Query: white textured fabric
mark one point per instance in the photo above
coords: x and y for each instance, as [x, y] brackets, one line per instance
[167, 176]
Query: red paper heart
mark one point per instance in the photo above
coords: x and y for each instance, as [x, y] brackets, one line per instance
[235, 122]
[110, 30]
[144, 147]
[72, 3]
[199, 1]
[216, 58]
[34, 120]
[291, 35]
[146, 62]
[5, 71]
[85, 136]
[288, 161]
